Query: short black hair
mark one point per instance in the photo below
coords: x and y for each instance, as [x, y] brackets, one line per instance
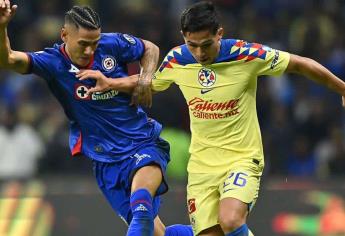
[84, 17]
[200, 16]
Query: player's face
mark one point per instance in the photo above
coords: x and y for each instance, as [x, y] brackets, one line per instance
[80, 43]
[204, 45]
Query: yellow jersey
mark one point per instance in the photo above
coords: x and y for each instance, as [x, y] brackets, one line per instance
[221, 98]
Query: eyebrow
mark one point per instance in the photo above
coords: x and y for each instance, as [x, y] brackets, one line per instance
[87, 41]
[201, 44]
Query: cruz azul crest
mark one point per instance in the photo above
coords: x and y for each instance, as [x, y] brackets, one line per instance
[109, 63]
[206, 77]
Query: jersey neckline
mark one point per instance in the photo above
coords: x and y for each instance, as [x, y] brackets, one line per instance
[64, 53]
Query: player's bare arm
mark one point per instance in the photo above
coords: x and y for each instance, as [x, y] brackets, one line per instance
[103, 83]
[316, 72]
[10, 59]
[142, 93]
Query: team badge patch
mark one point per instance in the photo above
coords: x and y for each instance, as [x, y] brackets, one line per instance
[129, 38]
[109, 63]
[206, 77]
[191, 205]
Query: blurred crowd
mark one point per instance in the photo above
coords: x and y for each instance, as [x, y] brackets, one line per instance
[303, 124]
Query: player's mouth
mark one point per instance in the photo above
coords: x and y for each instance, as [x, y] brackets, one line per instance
[85, 59]
[204, 60]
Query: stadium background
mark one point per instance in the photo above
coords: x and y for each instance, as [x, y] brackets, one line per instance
[43, 191]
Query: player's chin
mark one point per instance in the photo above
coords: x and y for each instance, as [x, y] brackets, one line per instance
[83, 62]
[205, 62]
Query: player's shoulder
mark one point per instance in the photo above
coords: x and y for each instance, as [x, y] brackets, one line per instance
[235, 44]
[49, 53]
[177, 56]
[241, 50]
[116, 37]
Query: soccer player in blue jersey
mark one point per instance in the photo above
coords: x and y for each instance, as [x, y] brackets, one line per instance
[129, 158]
[218, 78]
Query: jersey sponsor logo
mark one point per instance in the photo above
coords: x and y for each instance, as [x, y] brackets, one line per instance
[206, 77]
[73, 69]
[80, 93]
[129, 38]
[207, 109]
[141, 207]
[199, 104]
[191, 205]
[104, 95]
[275, 60]
[109, 63]
[140, 157]
[203, 91]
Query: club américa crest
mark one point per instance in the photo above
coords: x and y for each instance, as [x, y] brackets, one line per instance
[206, 77]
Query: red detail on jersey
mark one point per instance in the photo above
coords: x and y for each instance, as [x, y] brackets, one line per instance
[256, 45]
[250, 58]
[174, 60]
[198, 104]
[141, 201]
[77, 147]
[168, 65]
[261, 52]
[175, 48]
[241, 56]
[80, 92]
[240, 43]
[191, 205]
[63, 51]
[88, 66]
[212, 76]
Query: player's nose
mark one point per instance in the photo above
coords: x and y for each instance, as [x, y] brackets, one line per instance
[200, 53]
[89, 51]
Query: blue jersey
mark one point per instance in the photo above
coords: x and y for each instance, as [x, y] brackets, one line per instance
[103, 126]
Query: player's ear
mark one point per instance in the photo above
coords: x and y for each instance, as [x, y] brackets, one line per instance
[220, 32]
[183, 35]
[64, 34]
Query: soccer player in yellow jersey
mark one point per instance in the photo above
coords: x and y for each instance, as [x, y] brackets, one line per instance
[218, 78]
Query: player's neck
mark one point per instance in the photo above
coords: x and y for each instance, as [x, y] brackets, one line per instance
[65, 48]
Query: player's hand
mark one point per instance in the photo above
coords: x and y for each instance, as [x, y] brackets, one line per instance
[103, 83]
[142, 94]
[6, 12]
[343, 98]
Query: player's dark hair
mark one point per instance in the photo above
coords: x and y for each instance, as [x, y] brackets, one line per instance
[84, 17]
[200, 16]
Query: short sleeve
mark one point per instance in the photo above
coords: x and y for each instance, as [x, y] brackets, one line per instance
[41, 64]
[163, 77]
[274, 63]
[129, 48]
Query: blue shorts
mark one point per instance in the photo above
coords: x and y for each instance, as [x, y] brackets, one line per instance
[115, 179]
